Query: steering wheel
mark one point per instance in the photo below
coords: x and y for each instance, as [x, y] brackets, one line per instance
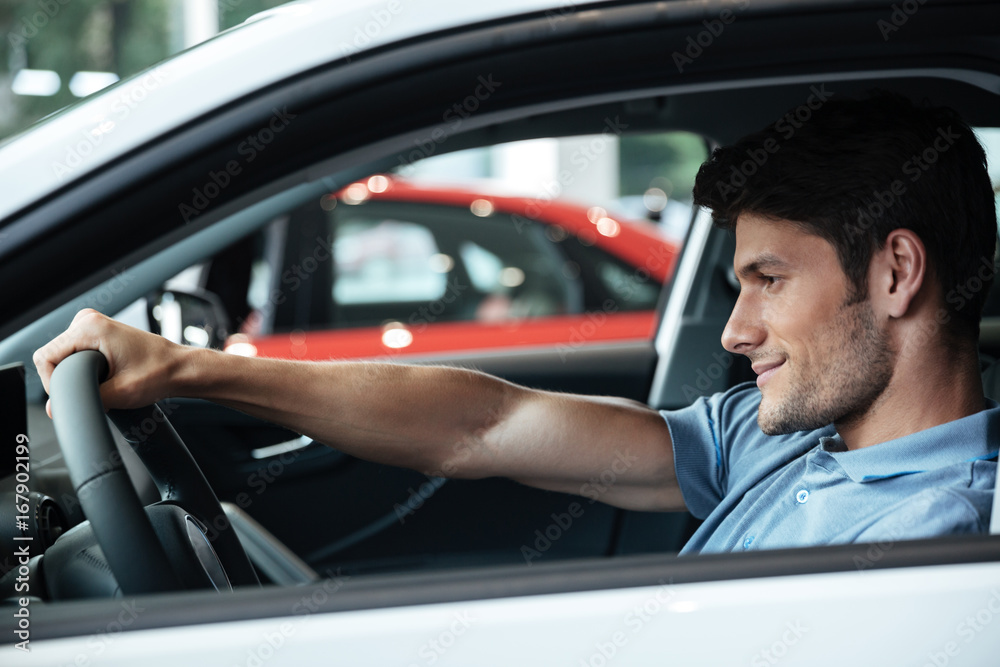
[184, 541]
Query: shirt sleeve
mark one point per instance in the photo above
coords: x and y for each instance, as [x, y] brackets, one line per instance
[703, 435]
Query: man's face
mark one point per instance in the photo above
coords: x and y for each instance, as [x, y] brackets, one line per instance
[819, 359]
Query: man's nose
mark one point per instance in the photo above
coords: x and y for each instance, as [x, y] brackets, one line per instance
[743, 331]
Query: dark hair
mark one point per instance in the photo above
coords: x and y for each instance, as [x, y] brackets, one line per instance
[853, 170]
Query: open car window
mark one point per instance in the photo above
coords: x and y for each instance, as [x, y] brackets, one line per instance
[538, 239]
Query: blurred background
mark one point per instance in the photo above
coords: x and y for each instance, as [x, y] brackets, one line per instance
[58, 51]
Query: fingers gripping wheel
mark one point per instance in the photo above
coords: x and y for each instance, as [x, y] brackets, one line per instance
[120, 523]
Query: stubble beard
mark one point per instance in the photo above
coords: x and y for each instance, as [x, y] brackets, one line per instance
[859, 368]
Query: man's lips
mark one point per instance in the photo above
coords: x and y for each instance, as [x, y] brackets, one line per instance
[764, 371]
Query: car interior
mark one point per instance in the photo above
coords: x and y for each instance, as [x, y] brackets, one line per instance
[305, 512]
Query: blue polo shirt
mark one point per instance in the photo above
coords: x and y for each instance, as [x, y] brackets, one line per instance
[756, 491]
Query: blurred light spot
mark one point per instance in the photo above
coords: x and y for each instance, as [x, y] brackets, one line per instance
[242, 350]
[85, 83]
[511, 276]
[239, 344]
[396, 337]
[328, 202]
[571, 270]
[297, 337]
[441, 263]
[482, 208]
[654, 199]
[157, 313]
[196, 336]
[356, 193]
[596, 213]
[608, 227]
[36, 82]
[556, 234]
[378, 183]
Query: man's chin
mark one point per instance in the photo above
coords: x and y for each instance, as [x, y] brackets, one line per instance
[773, 428]
[782, 420]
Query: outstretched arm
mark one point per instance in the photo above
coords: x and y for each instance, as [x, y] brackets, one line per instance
[442, 421]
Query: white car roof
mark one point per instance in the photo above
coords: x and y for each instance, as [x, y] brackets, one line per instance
[267, 48]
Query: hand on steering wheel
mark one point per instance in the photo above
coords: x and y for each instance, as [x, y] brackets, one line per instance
[193, 541]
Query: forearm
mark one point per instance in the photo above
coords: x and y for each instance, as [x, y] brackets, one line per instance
[453, 422]
[433, 419]
[441, 421]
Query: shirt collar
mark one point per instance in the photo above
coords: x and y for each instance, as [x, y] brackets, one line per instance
[967, 439]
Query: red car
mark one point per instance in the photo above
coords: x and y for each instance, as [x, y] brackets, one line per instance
[389, 267]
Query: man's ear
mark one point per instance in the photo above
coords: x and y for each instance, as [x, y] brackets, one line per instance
[897, 272]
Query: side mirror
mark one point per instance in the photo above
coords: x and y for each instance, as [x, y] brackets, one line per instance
[188, 317]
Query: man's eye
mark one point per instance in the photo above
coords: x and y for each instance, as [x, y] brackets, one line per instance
[770, 280]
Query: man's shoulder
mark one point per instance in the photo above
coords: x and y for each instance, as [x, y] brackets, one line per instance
[933, 512]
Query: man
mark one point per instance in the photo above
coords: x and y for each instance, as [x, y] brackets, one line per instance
[857, 236]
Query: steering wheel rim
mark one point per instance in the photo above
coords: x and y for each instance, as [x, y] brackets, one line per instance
[105, 491]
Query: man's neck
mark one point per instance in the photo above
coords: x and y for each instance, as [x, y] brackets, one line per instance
[943, 386]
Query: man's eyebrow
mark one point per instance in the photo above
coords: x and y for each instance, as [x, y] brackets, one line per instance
[762, 262]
